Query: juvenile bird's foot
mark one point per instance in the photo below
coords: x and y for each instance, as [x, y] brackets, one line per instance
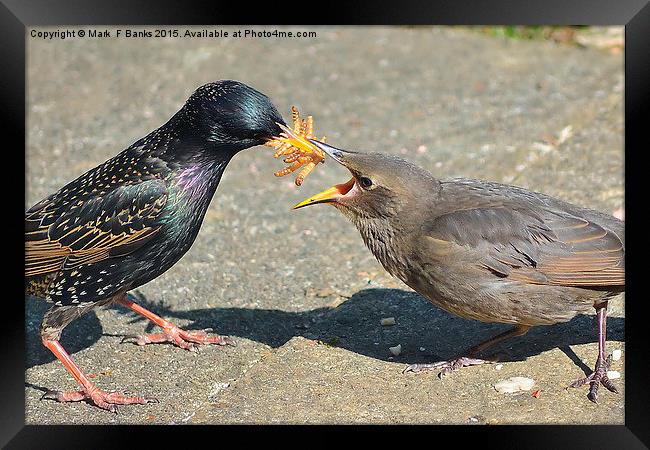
[598, 377]
[187, 340]
[99, 398]
[445, 367]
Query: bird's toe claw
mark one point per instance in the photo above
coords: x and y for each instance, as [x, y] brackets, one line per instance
[49, 395]
[418, 368]
[593, 393]
[444, 367]
[411, 368]
[229, 341]
[577, 383]
[611, 387]
[596, 378]
[193, 348]
[133, 339]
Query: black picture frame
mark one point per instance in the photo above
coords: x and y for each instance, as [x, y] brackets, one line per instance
[16, 16]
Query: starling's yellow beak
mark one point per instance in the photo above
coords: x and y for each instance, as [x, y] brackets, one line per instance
[295, 139]
[329, 195]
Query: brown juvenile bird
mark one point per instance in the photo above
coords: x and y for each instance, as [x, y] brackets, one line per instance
[484, 250]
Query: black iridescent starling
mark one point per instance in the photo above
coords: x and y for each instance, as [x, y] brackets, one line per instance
[128, 220]
[484, 250]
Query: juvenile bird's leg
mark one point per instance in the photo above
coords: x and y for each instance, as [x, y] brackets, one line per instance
[89, 392]
[599, 375]
[171, 333]
[445, 367]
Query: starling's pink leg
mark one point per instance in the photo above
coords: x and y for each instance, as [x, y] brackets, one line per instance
[599, 375]
[445, 367]
[171, 333]
[89, 392]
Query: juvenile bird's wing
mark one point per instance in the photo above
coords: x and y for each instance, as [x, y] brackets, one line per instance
[66, 231]
[539, 246]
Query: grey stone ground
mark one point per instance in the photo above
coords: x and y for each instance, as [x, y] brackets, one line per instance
[298, 290]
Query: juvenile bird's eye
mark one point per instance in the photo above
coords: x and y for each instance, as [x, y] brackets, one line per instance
[365, 182]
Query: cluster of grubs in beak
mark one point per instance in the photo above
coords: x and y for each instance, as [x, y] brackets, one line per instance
[295, 146]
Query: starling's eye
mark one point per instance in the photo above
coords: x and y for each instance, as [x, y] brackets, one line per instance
[365, 182]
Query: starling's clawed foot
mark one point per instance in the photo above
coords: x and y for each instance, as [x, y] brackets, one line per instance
[187, 340]
[171, 333]
[445, 367]
[598, 377]
[99, 398]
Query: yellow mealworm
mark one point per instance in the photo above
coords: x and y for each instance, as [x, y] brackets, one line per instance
[304, 172]
[294, 146]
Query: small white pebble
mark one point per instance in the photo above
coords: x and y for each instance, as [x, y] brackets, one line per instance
[616, 354]
[565, 134]
[422, 349]
[396, 350]
[499, 366]
[542, 147]
[185, 420]
[388, 321]
[514, 384]
[217, 388]
[613, 374]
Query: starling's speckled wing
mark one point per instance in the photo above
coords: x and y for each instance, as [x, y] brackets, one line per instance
[67, 230]
[539, 246]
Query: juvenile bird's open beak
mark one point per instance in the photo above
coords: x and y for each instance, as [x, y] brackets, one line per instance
[335, 192]
[328, 195]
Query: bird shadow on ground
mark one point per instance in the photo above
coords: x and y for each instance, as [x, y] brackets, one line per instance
[425, 332]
